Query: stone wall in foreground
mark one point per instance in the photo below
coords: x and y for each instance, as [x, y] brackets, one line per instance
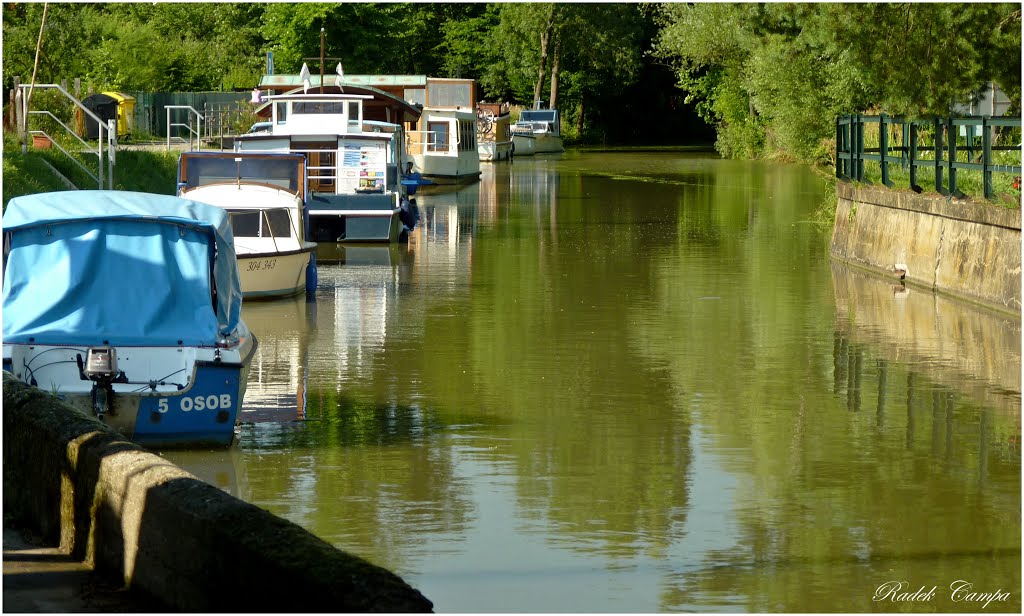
[968, 250]
[169, 535]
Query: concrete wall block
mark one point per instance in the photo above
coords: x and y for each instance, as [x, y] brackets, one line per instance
[167, 534]
[961, 248]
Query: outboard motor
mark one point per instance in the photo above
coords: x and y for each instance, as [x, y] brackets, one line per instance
[410, 214]
[101, 368]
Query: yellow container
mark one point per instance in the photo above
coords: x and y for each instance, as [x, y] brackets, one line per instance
[125, 113]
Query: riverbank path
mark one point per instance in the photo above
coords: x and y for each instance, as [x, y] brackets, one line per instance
[42, 579]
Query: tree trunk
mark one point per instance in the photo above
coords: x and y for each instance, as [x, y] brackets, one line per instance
[553, 102]
[579, 118]
[544, 38]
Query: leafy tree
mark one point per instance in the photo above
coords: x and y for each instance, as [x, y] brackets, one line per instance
[593, 48]
[923, 58]
[797, 66]
[466, 48]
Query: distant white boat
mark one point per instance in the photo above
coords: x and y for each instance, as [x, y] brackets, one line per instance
[493, 132]
[264, 194]
[445, 150]
[537, 131]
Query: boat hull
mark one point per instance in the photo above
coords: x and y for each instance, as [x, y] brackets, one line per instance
[492, 151]
[354, 218]
[193, 397]
[450, 180]
[272, 275]
[547, 144]
[447, 169]
[524, 145]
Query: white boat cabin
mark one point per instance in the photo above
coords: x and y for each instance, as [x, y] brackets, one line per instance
[446, 147]
[346, 154]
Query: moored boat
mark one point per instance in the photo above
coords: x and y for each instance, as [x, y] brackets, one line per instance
[445, 149]
[264, 195]
[493, 132]
[539, 130]
[354, 163]
[128, 306]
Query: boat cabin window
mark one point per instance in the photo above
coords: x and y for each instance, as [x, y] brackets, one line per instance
[261, 223]
[438, 136]
[281, 112]
[353, 111]
[319, 107]
[467, 136]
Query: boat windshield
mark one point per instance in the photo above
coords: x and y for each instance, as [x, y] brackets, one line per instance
[270, 222]
[196, 169]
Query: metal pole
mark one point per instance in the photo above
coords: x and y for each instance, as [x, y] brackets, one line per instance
[111, 143]
[986, 156]
[951, 142]
[24, 123]
[321, 59]
[883, 149]
[100, 136]
[913, 153]
[938, 157]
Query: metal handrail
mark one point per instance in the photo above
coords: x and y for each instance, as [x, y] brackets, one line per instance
[851, 151]
[100, 133]
[198, 130]
[99, 172]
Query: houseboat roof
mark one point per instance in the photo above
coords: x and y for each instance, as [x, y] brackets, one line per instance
[286, 82]
[381, 106]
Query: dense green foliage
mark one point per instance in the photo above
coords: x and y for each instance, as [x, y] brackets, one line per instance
[773, 77]
[769, 77]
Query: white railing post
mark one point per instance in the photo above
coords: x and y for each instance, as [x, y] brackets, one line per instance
[111, 149]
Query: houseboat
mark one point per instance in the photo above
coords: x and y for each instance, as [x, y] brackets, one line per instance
[538, 130]
[444, 150]
[128, 306]
[354, 163]
[493, 134]
[264, 195]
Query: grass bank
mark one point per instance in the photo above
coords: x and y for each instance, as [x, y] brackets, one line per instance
[152, 171]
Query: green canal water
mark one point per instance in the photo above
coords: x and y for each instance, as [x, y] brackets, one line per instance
[636, 382]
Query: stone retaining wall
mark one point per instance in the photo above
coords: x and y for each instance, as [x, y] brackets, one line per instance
[172, 537]
[969, 250]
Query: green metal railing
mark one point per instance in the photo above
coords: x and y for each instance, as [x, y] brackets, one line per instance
[932, 145]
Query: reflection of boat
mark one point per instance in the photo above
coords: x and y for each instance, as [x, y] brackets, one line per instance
[221, 468]
[493, 134]
[537, 131]
[264, 196]
[359, 254]
[445, 150]
[354, 163]
[277, 378]
[128, 305]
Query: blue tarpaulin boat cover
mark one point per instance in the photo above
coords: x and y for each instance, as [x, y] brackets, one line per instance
[125, 268]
